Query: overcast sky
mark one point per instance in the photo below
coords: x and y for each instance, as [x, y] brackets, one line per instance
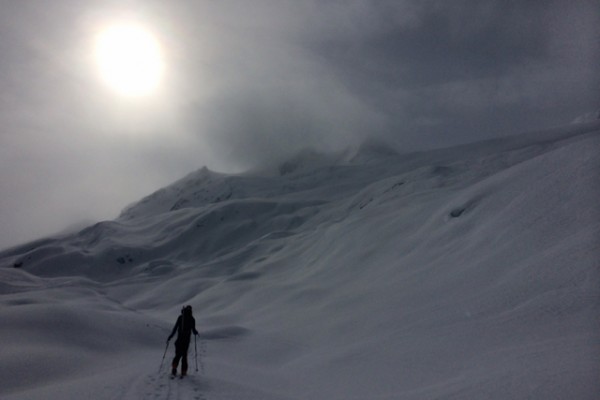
[251, 81]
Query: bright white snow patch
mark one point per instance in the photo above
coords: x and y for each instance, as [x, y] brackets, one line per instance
[466, 273]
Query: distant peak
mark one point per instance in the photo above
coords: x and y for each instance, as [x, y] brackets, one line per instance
[186, 192]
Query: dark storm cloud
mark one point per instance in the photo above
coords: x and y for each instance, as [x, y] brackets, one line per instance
[462, 70]
[420, 73]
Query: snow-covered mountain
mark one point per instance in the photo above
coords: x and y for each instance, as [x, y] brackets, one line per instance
[463, 273]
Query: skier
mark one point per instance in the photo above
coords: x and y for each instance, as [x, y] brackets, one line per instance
[185, 325]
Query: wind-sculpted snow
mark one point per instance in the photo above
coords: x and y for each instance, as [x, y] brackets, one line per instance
[464, 273]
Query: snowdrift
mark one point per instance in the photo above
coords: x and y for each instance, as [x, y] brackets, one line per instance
[462, 273]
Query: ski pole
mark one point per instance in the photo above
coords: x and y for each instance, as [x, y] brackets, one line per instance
[163, 359]
[196, 352]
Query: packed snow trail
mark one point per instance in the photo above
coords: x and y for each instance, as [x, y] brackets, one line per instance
[164, 387]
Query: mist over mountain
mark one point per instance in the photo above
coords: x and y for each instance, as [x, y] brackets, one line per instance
[461, 273]
[590, 117]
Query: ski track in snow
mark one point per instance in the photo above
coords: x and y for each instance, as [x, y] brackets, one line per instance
[162, 386]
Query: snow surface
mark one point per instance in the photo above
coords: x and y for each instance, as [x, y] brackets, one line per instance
[462, 273]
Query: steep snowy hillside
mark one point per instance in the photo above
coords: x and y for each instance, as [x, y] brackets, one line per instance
[462, 273]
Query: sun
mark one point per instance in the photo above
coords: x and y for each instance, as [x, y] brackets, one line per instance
[129, 59]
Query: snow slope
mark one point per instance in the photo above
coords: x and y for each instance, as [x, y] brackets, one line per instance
[462, 273]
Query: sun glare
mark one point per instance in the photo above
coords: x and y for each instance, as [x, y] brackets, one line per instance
[129, 59]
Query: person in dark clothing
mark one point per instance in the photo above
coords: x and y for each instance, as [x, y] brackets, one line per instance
[185, 325]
